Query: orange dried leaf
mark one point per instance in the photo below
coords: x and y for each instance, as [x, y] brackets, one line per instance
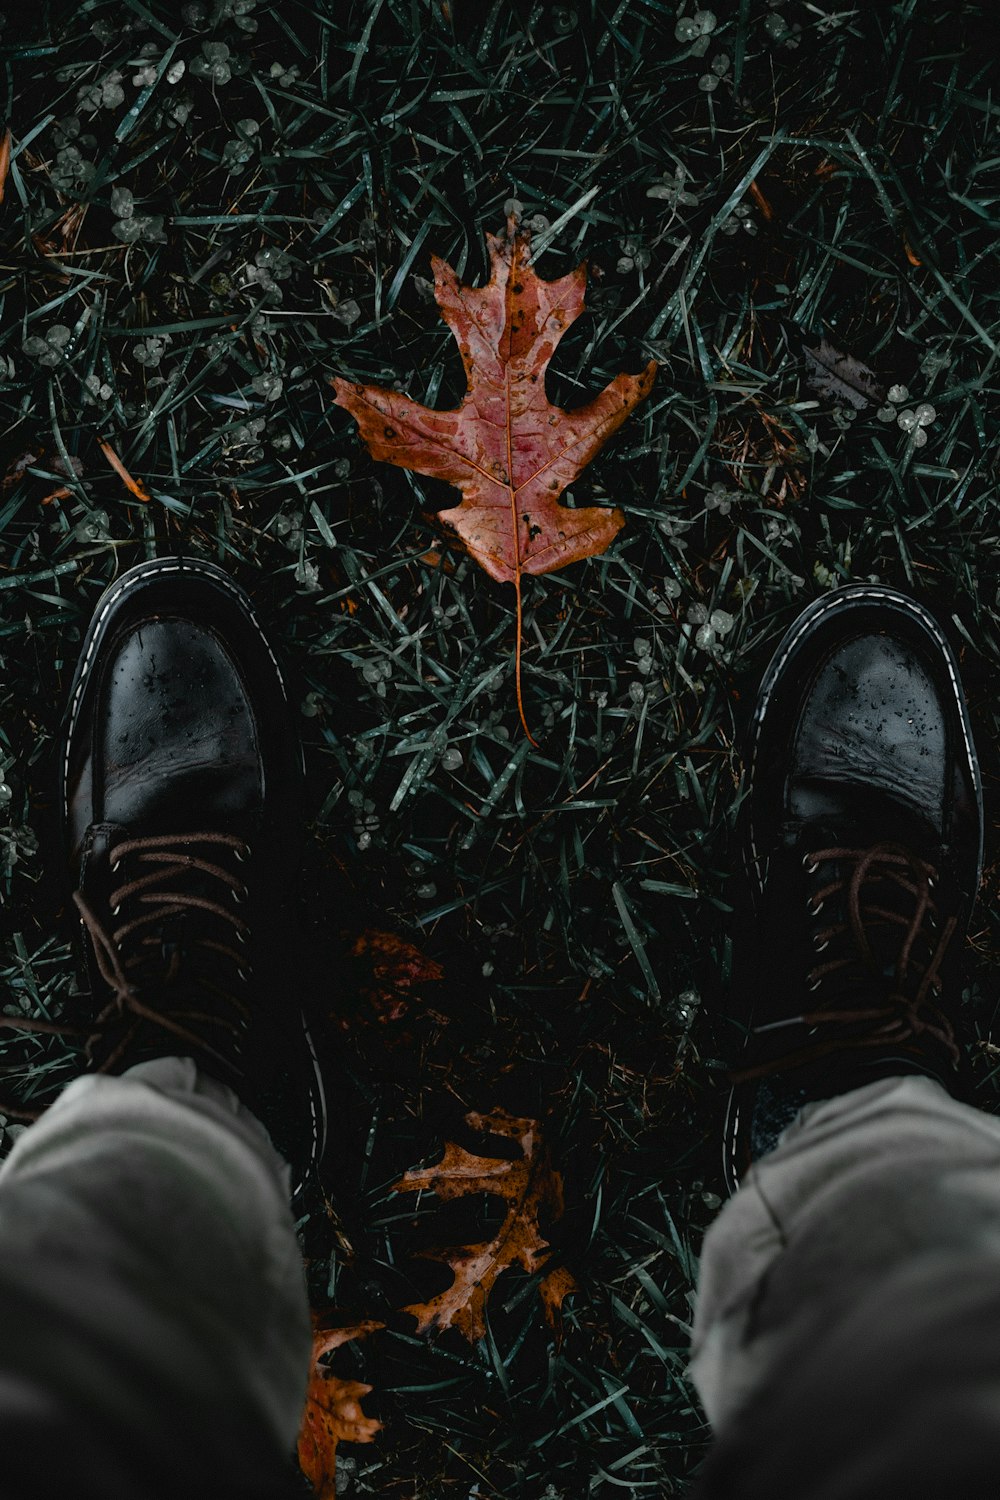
[761, 201]
[4, 162]
[436, 559]
[508, 450]
[532, 1190]
[333, 1410]
[136, 486]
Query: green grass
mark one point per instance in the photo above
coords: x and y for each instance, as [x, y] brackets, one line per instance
[840, 181]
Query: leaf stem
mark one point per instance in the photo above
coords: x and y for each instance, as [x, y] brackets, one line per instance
[517, 660]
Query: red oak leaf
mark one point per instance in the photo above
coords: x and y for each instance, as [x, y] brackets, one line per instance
[532, 1190]
[332, 1411]
[505, 446]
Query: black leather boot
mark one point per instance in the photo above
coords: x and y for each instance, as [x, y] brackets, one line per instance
[862, 854]
[182, 773]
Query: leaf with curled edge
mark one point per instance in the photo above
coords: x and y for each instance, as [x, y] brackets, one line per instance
[841, 376]
[332, 1412]
[532, 1190]
[392, 974]
[505, 446]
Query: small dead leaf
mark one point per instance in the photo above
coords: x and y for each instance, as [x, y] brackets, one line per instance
[436, 559]
[841, 376]
[761, 201]
[392, 973]
[136, 486]
[4, 162]
[333, 1409]
[532, 1190]
[15, 471]
[552, 1290]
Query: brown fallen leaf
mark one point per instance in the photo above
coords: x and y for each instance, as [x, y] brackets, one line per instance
[15, 470]
[841, 376]
[532, 1189]
[392, 972]
[333, 1409]
[437, 559]
[509, 451]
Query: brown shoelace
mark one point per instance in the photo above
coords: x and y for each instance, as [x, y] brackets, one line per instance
[121, 952]
[904, 1015]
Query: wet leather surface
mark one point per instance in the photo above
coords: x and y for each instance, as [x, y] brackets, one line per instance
[872, 719]
[175, 733]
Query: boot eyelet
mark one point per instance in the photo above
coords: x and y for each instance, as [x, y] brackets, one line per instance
[809, 868]
[116, 909]
[115, 867]
[816, 909]
[815, 984]
[820, 946]
[244, 974]
[240, 896]
[245, 855]
[241, 937]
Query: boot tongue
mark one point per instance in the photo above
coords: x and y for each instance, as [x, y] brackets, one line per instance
[828, 813]
[180, 795]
